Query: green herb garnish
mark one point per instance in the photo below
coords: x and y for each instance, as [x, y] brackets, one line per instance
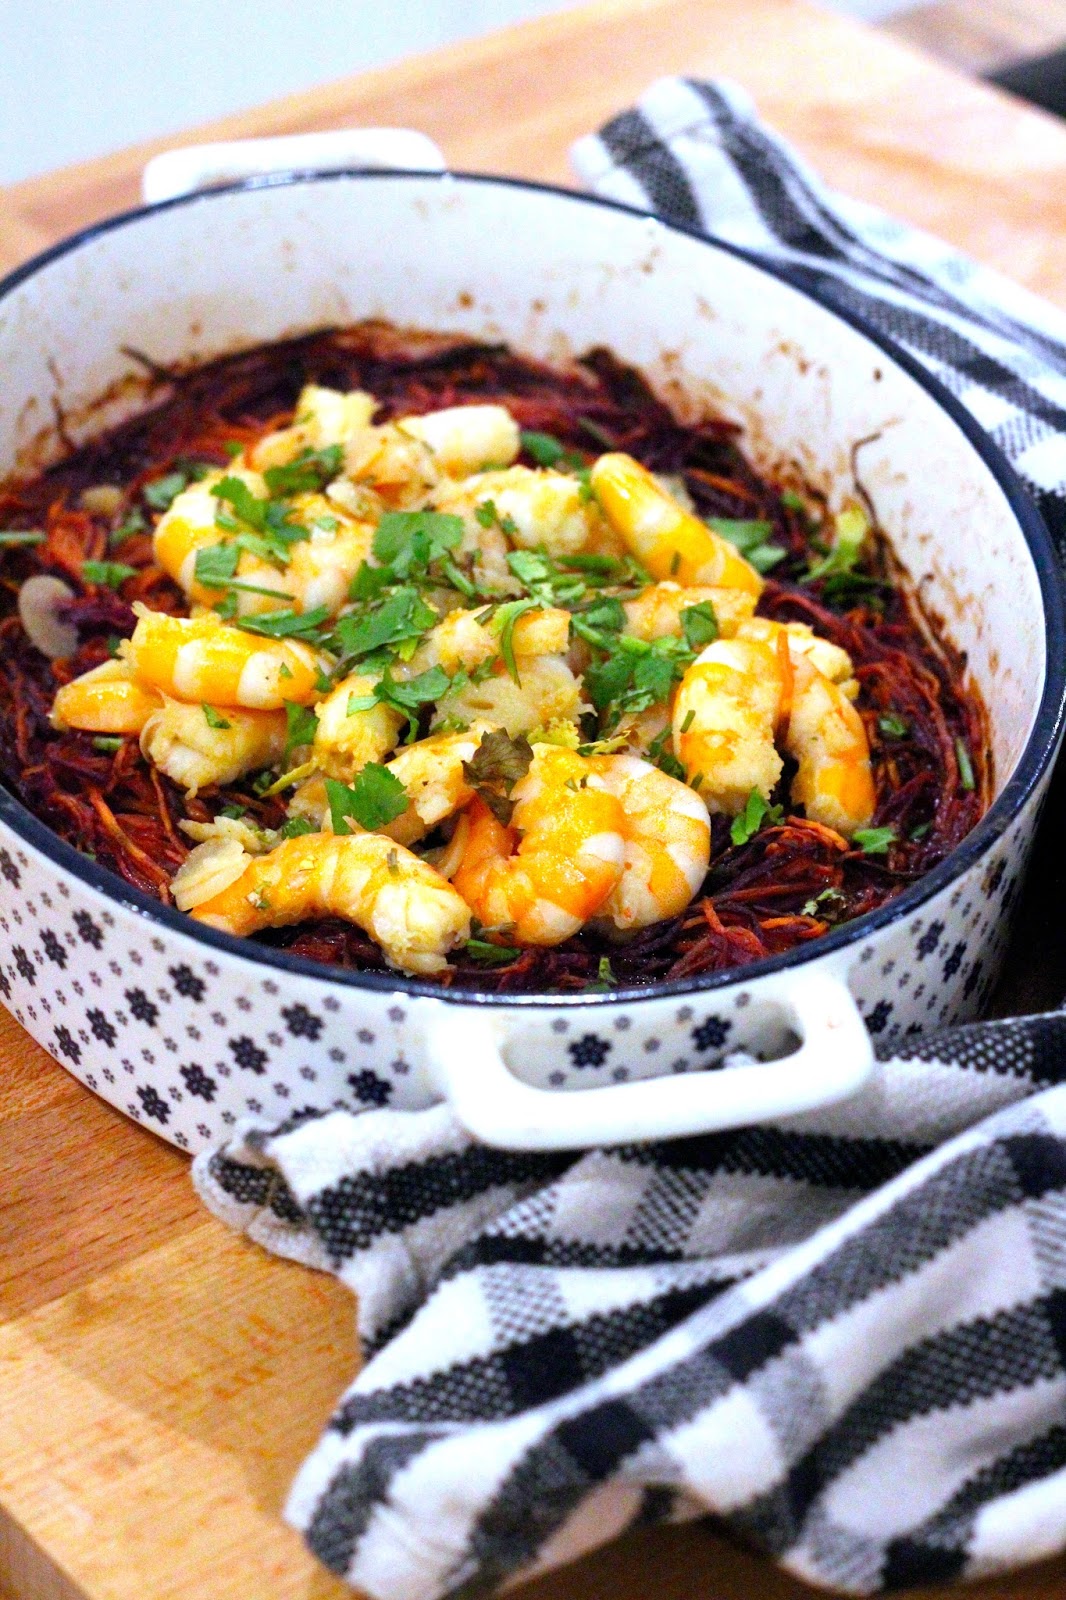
[107, 743]
[874, 841]
[547, 450]
[490, 954]
[286, 624]
[15, 536]
[375, 798]
[495, 767]
[756, 811]
[962, 755]
[214, 719]
[893, 727]
[310, 471]
[301, 725]
[403, 615]
[415, 539]
[110, 573]
[296, 827]
[699, 624]
[750, 537]
[161, 493]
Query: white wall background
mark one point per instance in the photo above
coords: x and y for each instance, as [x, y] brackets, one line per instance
[81, 77]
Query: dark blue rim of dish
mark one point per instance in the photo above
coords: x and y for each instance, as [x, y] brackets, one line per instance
[1034, 762]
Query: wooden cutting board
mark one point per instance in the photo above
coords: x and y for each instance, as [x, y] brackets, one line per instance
[161, 1380]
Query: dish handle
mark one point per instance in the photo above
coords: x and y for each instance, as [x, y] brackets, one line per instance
[835, 1057]
[199, 166]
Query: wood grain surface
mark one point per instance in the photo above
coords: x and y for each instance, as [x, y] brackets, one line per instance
[984, 35]
[160, 1379]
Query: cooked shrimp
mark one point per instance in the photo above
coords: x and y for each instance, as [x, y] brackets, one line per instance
[666, 538]
[667, 834]
[826, 736]
[833, 662]
[535, 509]
[318, 569]
[204, 659]
[432, 773]
[740, 695]
[405, 461]
[466, 439]
[188, 526]
[545, 689]
[347, 738]
[725, 713]
[199, 745]
[323, 417]
[656, 611]
[461, 641]
[108, 699]
[542, 878]
[400, 901]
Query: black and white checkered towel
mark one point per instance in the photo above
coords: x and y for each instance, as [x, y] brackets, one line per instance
[845, 1335]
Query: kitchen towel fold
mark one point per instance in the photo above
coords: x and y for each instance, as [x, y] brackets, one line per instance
[844, 1335]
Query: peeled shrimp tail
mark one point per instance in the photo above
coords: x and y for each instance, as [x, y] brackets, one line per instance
[543, 878]
[826, 736]
[399, 900]
[109, 698]
[667, 833]
[669, 540]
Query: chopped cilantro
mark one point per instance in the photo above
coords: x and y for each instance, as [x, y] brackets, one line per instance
[375, 798]
[110, 573]
[232, 812]
[161, 493]
[215, 719]
[215, 565]
[295, 827]
[114, 644]
[404, 615]
[503, 622]
[827, 906]
[248, 507]
[286, 624]
[408, 695]
[495, 767]
[490, 954]
[310, 471]
[369, 582]
[233, 448]
[605, 978]
[486, 513]
[892, 726]
[920, 832]
[699, 624]
[301, 726]
[16, 536]
[750, 538]
[850, 529]
[107, 743]
[756, 811]
[545, 448]
[874, 841]
[407, 539]
[966, 777]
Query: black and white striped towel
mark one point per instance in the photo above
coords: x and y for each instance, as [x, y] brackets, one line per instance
[845, 1335]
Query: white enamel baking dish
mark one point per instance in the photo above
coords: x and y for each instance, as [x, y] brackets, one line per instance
[187, 1030]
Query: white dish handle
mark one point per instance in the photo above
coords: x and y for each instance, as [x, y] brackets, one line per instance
[198, 166]
[467, 1067]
